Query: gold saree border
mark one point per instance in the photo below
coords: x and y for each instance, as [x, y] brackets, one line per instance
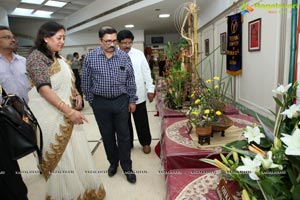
[92, 194]
[50, 162]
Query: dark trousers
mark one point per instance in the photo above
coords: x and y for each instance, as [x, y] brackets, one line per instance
[11, 182]
[140, 117]
[112, 119]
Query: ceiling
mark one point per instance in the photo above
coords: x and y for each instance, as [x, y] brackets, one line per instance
[144, 19]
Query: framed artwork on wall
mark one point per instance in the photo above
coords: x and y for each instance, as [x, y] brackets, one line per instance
[223, 43]
[254, 35]
[206, 45]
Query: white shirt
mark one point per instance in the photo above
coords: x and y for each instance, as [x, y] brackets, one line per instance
[142, 74]
[13, 76]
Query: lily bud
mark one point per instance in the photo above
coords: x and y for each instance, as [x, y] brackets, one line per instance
[221, 165]
[277, 143]
[245, 195]
[224, 159]
[256, 150]
[235, 157]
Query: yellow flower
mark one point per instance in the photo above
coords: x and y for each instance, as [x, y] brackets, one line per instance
[216, 87]
[216, 78]
[218, 113]
[195, 113]
[197, 101]
[207, 111]
[208, 80]
[192, 95]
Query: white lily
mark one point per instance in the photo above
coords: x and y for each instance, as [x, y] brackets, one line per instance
[267, 163]
[253, 134]
[292, 142]
[281, 89]
[292, 112]
[250, 166]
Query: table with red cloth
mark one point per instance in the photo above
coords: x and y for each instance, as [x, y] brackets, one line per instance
[177, 150]
[195, 183]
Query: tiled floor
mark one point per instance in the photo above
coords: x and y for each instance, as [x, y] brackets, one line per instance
[150, 183]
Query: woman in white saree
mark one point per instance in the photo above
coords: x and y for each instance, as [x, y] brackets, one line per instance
[67, 164]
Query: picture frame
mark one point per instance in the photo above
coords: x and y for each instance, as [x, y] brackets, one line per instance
[254, 35]
[206, 46]
[223, 43]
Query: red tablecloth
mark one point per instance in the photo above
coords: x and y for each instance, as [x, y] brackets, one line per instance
[197, 184]
[177, 150]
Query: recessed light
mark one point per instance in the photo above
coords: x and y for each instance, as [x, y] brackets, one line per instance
[129, 26]
[55, 3]
[164, 15]
[32, 1]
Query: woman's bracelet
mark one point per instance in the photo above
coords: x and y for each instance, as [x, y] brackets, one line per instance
[59, 105]
[70, 113]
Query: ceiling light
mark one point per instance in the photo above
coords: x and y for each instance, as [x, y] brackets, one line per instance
[22, 11]
[129, 26]
[164, 15]
[55, 3]
[42, 13]
[33, 1]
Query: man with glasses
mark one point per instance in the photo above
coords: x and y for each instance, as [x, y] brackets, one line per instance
[145, 87]
[109, 86]
[14, 80]
[13, 76]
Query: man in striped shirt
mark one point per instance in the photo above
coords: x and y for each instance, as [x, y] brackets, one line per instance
[109, 86]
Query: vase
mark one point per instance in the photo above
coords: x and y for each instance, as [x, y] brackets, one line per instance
[221, 125]
[204, 134]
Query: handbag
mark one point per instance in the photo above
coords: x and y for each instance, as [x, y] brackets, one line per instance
[21, 127]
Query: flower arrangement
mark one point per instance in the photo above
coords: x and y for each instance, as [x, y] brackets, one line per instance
[175, 77]
[209, 104]
[202, 113]
[266, 164]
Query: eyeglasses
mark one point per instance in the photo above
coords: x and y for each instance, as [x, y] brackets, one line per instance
[126, 43]
[8, 37]
[110, 41]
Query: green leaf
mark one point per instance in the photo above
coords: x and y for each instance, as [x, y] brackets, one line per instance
[296, 192]
[278, 102]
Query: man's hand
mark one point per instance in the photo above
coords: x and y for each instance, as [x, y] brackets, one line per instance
[150, 96]
[131, 107]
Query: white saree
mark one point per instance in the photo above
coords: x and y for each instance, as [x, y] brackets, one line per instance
[67, 162]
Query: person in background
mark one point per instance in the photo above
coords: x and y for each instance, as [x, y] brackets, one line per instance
[67, 160]
[109, 87]
[145, 89]
[161, 66]
[14, 80]
[76, 67]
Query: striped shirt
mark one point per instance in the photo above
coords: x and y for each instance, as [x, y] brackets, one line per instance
[108, 77]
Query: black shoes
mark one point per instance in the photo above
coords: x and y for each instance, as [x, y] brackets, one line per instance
[112, 170]
[131, 178]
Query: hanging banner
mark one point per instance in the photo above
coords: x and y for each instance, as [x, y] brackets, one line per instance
[234, 45]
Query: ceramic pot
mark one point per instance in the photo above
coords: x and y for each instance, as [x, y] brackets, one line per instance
[204, 131]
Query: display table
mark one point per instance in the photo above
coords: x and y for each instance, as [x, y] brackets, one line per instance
[179, 149]
[197, 184]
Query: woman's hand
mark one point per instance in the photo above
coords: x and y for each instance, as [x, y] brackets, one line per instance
[76, 117]
[78, 102]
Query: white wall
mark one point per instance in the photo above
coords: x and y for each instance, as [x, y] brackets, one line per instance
[260, 68]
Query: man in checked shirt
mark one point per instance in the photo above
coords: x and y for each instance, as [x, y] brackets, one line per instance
[108, 84]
